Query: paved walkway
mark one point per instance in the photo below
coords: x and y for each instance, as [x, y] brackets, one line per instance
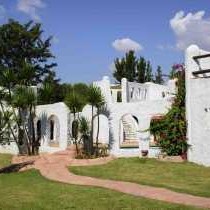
[54, 167]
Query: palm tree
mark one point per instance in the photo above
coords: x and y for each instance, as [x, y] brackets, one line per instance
[4, 127]
[74, 102]
[6, 115]
[24, 100]
[84, 130]
[95, 99]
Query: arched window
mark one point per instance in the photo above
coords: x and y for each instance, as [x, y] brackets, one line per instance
[119, 96]
[51, 130]
[38, 129]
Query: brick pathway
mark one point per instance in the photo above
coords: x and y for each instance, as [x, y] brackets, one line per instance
[54, 167]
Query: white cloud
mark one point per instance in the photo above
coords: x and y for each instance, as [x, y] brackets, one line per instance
[2, 11]
[192, 28]
[166, 47]
[126, 44]
[30, 7]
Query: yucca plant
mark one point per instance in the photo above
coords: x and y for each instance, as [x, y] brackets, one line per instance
[95, 99]
[84, 130]
[4, 127]
[75, 104]
[24, 100]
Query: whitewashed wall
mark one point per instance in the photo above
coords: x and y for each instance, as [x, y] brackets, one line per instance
[143, 111]
[44, 112]
[143, 106]
[198, 107]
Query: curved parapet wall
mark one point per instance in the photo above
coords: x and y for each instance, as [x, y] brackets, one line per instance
[197, 64]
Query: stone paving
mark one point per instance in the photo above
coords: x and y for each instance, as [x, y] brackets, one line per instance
[55, 167]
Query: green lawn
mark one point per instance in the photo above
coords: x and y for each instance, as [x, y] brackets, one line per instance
[4, 160]
[30, 191]
[181, 177]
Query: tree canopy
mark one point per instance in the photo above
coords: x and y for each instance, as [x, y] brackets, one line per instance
[24, 52]
[25, 60]
[135, 69]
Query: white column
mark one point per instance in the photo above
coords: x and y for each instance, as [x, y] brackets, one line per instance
[124, 85]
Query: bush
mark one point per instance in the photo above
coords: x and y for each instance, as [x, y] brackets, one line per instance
[170, 132]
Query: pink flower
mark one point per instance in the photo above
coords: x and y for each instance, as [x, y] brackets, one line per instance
[178, 67]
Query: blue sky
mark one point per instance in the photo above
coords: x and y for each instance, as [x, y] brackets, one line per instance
[84, 31]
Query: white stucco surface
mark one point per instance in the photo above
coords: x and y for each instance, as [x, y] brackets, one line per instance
[198, 106]
[58, 112]
[142, 101]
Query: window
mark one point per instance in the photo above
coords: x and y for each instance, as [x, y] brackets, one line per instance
[38, 129]
[139, 93]
[51, 130]
[132, 91]
[163, 94]
[145, 94]
[119, 96]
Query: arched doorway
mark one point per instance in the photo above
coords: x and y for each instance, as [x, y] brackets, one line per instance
[128, 131]
[38, 130]
[103, 134]
[53, 130]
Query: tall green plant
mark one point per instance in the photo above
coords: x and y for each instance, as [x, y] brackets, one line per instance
[84, 130]
[95, 99]
[133, 68]
[24, 62]
[75, 104]
[24, 101]
[170, 132]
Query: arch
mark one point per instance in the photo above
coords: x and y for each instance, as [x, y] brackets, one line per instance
[53, 128]
[103, 134]
[154, 137]
[119, 96]
[128, 130]
[39, 130]
[135, 118]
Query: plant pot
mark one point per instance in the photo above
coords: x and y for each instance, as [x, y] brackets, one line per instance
[144, 153]
[184, 156]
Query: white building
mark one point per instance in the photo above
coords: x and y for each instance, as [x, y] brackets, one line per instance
[197, 64]
[130, 107]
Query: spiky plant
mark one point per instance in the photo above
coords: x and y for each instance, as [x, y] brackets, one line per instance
[95, 99]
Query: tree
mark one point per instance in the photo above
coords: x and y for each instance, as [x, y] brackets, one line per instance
[125, 67]
[24, 56]
[159, 76]
[148, 73]
[172, 73]
[24, 50]
[24, 101]
[141, 70]
[45, 93]
[95, 99]
[135, 70]
[4, 127]
[119, 72]
[171, 130]
[84, 130]
[74, 102]
[50, 92]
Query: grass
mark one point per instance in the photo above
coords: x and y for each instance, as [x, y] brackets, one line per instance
[181, 177]
[30, 191]
[4, 160]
